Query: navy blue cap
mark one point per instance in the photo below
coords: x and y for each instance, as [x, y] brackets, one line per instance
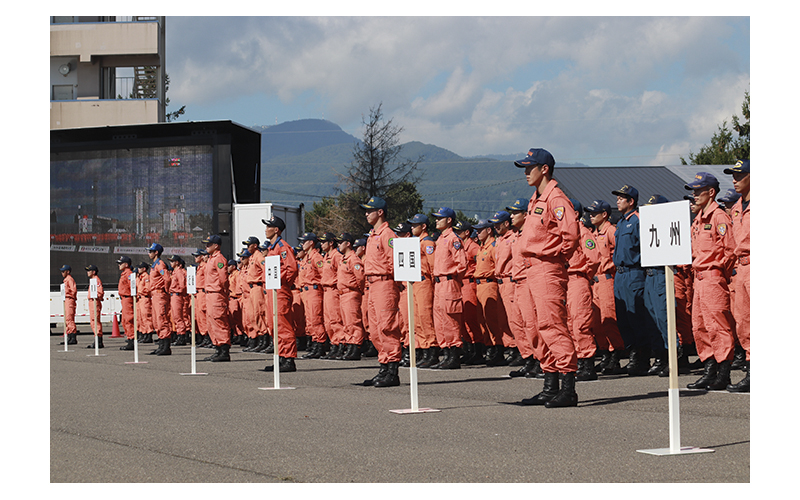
[656, 199]
[346, 237]
[628, 191]
[328, 237]
[298, 248]
[244, 253]
[214, 238]
[598, 206]
[462, 226]
[124, 260]
[741, 166]
[274, 222]
[536, 156]
[482, 224]
[361, 242]
[374, 203]
[307, 237]
[730, 196]
[519, 205]
[701, 180]
[264, 246]
[143, 265]
[444, 212]
[576, 205]
[689, 197]
[91, 267]
[403, 227]
[419, 219]
[65, 267]
[155, 247]
[500, 216]
[251, 240]
[231, 262]
[200, 251]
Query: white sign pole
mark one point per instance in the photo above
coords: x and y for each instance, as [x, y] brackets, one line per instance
[407, 268]
[94, 315]
[64, 312]
[665, 239]
[191, 289]
[135, 361]
[272, 281]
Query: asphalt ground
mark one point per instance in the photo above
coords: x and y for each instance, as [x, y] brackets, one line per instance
[112, 422]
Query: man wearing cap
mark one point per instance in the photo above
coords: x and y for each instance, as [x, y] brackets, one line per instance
[331, 309]
[310, 278]
[367, 349]
[384, 295]
[491, 314]
[529, 347]
[248, 316]
[95, 307]
[550, 238]
[350, 284]
[126, 299]
[298, 311]
[712, 263]
[70, 304]
[159, 280]
[449, 266]
[655, 301]
[254, 280]
[730, 198]
[606, 333]
[177, 300]
[285, 337]
[235, 312]
[201, 258]
[740, 214]
[507, 235]
[217, 293]
[472, 335]
[632, 317]
[145, 309]
[424, 331]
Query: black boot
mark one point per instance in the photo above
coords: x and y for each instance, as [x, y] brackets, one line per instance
[605, 357]
[537, 370]
[381, 373]
[207, 342]
[744, 384]
[660, 363]
[181, 340]
[223, 353]
[430, 358]
[586, 370]
[166, 351]
[527, 367]
[446, 354]
[454, 363]
[639, 362]
[315, 352]
[302, 343]
[515, 358]
[613, 367]
[391, 378]
[99, 343]
[72, 338]
[405, 359]
[494, 356]
[549, 391]
[738, 358]
[284, 365]
[566, 396]
[479, 357]
[468, 350]
[709, 375]
[723, 379]
[159, 348]
[251, 344]
[128, 346]
[270, 347]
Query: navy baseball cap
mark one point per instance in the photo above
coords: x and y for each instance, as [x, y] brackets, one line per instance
[155, 247]
[91, 267]
[231, 262]
[361, 242]
[628, 191]
[500, 216]
[307, 237]
[66, 267]
[689, 197]
[403, 227]
[124, 260]
[419, 219]
[298, 248]
[598, 206]
[328, 237]
[444, 212]
[730, 196]
[200, 251]
[346, 237]
[374, 203]
[578, 206]
[701, 180]
[519, 205]
[214, 238]
[174, 258]
[462, 226]
[251, 240]
[274, 222]
[536, 156]
[741, 166]
[656, 199]
[244, 253]
[482, 224]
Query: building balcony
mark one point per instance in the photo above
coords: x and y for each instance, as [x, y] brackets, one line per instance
[102, 112]
[85, 40]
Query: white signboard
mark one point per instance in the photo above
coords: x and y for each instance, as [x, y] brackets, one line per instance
[191, 280]
[63, 292]
[132, 279]
[93, 288]
[665, 234]
[272, 272]
[407, 259]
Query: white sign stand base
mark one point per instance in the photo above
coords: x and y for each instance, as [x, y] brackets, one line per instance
[135, 340]
[194, 347]
[274, 280]
[66, 347]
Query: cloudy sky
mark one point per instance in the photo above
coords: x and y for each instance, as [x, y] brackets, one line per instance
[594, 90]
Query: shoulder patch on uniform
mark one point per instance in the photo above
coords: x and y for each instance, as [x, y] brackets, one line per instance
[357, 267]
[283, 254]
[590, 244]
[559, 212]
[220, 265]
[320, 263]
[429, 249]
[722, 229]
[391, 242]
[538, 210]
[457, 244]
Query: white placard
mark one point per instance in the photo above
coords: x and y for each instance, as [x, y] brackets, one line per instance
[191, 280]
[665, 234]
[93, 288]
[272, 272]
[407, 259]
[63, 292]
[132, 278]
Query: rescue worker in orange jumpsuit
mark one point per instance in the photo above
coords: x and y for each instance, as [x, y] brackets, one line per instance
[471, 334]
[425, 333]
[201, 258]
[449, 267]
[159, 280]
[529, 348]
[384, 295]
[70, 304]
[310, 277]
[712, 263]
[550, 238]
[217, 293]
[126, 299]
[254, 279]
[95, 307]
[144, 311]
[298, 311]
[506, 236]
[368, 350]
[350, 281]
[286, 338]
[235, 312]
[740, 214]
[491, 313]
[177, 300]
[331, 309]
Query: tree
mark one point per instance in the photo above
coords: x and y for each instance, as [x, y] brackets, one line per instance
[724, 149]
[172, 116]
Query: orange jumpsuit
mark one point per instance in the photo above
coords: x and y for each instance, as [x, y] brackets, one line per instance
[216, 285]
[254, 278]
[350, 283]
[384, 295]
[331, 309]
[235, 312]
[683, 304]
[491, 314]
[287, 340]
[145, 313]
[311, 278]
[200, 301]
[159, 279]
[502, 270]
[298, 310]
[528, 343]
[70, 304]
[177, 300]
[449, 265]
[471, 332]
[741, 252]
[606, 332]
[712, 263]
[424, 331]
[95, 308]
[582, 268]
[550, 238]
[124, 289]
[248, 317]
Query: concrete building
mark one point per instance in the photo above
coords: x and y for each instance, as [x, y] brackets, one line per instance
[107, 70]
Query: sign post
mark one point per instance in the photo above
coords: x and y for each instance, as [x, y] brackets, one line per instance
[272, 281]
[64, 310]
[665, 238]
[406, 255]
[135, 361]
[94, 315]
[191, 289]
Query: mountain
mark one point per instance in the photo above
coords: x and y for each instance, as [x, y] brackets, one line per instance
[299, 137]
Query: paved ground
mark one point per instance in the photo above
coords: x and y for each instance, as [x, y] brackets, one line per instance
[123, 423]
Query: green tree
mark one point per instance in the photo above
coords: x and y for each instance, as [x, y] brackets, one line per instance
[724, 149]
